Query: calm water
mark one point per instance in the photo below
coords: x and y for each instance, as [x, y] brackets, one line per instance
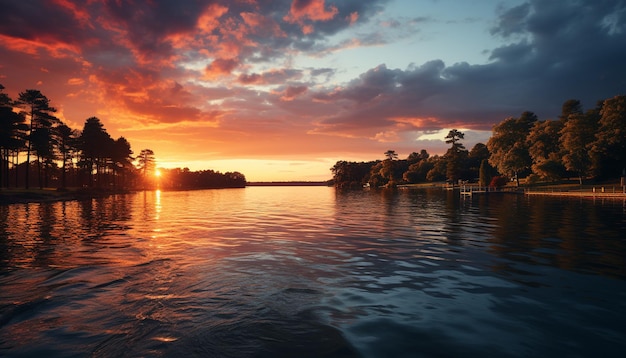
[307, 271]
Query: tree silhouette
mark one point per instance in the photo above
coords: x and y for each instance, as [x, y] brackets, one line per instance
[391, 154]
[37, 107]
[12, 133]
[121, 160]
[95, 144]
[146, 163]
[68, 145]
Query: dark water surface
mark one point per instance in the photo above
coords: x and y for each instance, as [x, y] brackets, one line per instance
[309, 272]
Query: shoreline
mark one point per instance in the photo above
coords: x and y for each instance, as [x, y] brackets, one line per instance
[580, 194]
[26, 196]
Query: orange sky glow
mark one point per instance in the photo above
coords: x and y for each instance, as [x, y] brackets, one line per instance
[281, 90]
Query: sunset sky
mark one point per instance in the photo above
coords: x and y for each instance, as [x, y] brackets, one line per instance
[281, 90]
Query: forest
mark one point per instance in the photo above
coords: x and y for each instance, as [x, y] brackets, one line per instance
[38, 150]
[587, 145]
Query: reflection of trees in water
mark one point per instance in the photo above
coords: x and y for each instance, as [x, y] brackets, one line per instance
[51, 234]
[4, 235]
[100, 215]
[572, 234]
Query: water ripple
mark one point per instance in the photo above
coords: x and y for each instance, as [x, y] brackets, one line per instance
[266, 272]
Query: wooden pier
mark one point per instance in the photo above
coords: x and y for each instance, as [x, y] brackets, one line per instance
[469, 190]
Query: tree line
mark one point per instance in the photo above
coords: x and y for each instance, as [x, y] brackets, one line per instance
[583, 144]
[59, 156]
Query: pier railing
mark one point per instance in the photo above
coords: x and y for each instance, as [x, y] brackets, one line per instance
[475, 189]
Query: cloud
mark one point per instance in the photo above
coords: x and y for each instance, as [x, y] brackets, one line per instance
[275, 76]
[312, 10]
[291, 92]
[220, 67]
[229, 69]
[560, 51]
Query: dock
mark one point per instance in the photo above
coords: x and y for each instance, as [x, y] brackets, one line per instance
[469, 190]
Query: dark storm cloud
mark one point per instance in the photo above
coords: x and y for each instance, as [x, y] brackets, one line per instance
[556, 50]
[32, 19]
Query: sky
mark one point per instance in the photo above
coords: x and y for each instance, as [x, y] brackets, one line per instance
[282, 90]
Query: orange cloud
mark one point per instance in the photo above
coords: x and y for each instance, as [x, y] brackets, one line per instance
[75, 81]
[209, 20]
[262, 25]
[31, 47]
[314, 10]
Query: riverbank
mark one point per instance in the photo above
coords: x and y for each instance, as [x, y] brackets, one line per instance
[20, 195]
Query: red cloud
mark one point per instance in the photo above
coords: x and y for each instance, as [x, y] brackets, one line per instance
[54, 48]
[209, 20]
[313, 10]
[220, 67]
[310, 9]
[262, 25]
[81, 15]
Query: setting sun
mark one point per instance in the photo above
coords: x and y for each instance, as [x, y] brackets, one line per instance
[157, 173]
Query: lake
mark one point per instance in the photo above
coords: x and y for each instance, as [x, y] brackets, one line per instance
[313, 272]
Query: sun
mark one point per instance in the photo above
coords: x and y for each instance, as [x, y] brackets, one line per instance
[157, 173]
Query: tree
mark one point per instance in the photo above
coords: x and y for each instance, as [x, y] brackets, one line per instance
[146, 163]
[576, 139]
[417, 167]
[391, 154]
[477, 154]
[121, 160]
[96, 145]
[544, 147]
[609, 146]
[43, 144]
[485, 173]
[455, 155]
[571, 106]
[68, 146]
[417, 157]
[508, 145]
[389, 168]
[12, 133]
[37, 107]
[438, 170]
